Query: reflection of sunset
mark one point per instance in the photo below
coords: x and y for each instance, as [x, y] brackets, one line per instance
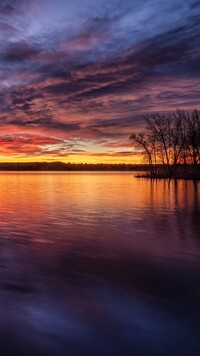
[123, 201]
[77, 248]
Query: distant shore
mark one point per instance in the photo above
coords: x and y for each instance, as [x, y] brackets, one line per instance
[60, 166]
[144, 170]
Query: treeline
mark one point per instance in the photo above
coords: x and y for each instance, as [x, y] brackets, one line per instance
[60, 166]
[170, 144]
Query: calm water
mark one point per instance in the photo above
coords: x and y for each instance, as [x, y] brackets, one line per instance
[99, 264]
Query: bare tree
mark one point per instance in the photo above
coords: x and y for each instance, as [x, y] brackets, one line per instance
[146, 146]
[193, 139]
[170, 139]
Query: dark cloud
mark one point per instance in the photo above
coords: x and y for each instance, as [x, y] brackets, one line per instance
[29, 139]
[47, 122]
[172, 53]
[195, 4]
[20, 52]
[10, 8]
[113, 123]
[6, 9]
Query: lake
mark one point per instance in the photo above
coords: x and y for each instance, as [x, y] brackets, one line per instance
[99, 264]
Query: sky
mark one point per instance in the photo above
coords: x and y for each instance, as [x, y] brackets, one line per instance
[77, 77]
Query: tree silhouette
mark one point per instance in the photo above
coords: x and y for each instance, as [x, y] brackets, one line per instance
[170, 139]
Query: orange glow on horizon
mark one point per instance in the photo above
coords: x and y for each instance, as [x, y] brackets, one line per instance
[75, 158]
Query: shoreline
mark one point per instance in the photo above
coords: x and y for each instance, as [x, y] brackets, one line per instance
[169, 178]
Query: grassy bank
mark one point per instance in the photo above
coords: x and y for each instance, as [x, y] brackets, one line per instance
[166, 172]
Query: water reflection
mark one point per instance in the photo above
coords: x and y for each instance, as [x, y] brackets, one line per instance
[100, 264]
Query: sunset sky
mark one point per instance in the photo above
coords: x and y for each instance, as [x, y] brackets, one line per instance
[76, 77]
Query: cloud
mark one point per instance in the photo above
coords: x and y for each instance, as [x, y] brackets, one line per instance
[21, 51]
[15, 144]
[32, 145]
[28, 139]
[47, 122]
[195, 4]
[6, 9]
[96, 78]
